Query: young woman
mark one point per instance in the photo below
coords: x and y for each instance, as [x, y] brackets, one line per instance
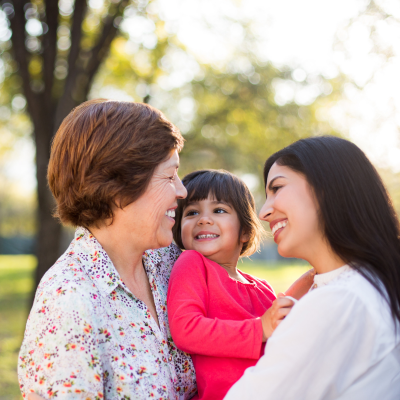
[327, 204]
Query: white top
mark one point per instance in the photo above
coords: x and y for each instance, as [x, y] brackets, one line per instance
[338, 342]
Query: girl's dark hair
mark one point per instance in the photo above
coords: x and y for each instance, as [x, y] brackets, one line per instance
[223, 186]
[356, 212]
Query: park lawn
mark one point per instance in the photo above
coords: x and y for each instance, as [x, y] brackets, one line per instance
[16, 280]
[15, 285]
[280, 275]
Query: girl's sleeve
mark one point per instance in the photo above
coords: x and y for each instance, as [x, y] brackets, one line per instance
[308, 355]
[191, 329]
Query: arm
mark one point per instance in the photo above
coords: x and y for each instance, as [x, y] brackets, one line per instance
[309, 352]
[191, 329]
[302, 285]
[59, 356]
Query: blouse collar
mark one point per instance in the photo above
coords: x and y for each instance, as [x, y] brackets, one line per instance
[327, 277]
[98, 265]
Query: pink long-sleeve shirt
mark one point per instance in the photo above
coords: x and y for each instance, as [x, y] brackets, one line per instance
[216, 319]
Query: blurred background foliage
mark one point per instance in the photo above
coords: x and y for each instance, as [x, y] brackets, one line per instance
[233, 112]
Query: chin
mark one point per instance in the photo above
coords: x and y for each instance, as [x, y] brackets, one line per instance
[285, 252]
[164, 241]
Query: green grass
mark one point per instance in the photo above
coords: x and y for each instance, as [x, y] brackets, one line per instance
[15, 284]
[279, 275]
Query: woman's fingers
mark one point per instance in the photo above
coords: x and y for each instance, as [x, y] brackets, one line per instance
[283, 302]
[280, 309]
[274, 315]
[282, 312]
[34, 396]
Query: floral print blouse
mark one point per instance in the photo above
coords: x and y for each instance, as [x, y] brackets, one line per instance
[89, 337]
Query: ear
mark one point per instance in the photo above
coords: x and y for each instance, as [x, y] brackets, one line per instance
[244, 237]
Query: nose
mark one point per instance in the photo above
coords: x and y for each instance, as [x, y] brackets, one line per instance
[205, 220]
[181, 192]
[266, 210]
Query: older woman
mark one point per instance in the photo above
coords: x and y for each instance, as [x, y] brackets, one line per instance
[98, 327]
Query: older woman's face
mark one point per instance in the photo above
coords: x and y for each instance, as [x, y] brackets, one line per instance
[149, 220]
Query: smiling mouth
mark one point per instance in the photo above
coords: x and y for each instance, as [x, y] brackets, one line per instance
[170, 213]
[278, 226]
[208, 236]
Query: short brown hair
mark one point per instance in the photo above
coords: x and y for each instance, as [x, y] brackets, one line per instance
[105, 151]
[223, 186]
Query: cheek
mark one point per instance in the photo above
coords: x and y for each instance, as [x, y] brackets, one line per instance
[303, 215]
[158, 201]
[186, 234]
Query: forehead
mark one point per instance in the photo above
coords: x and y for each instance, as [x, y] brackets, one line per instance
[279, 170]
[171, 162]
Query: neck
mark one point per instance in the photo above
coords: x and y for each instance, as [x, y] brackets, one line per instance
[126, 258]
[230, 268]
[325, 260]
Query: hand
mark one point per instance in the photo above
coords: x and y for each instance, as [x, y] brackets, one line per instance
[275, 314]
[302, 285]
[34, 396]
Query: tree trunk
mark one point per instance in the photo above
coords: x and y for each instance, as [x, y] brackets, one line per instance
[49, 229]
[47, 110]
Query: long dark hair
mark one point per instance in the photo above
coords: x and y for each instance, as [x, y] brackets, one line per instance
[356, 212]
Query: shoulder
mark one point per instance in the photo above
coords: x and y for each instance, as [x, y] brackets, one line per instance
[189, 259]
[65, 287]
[346, 300]
[193, 257]
[366, 295]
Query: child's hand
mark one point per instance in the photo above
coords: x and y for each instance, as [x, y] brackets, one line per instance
[275, 314]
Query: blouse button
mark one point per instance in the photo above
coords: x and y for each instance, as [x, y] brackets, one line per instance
[170, 358]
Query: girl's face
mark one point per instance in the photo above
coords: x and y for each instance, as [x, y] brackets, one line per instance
[292, 212]
[212, 228]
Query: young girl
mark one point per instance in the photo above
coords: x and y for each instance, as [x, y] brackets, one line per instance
[214, 309]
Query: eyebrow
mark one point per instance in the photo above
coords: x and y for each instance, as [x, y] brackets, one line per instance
[190, 203]
[273, 180]
[220, 202]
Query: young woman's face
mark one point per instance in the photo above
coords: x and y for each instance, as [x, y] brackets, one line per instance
[292, 213]
[212, 228]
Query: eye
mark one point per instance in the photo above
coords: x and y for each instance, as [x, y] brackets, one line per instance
[191, 213]
[274, 189]
[219, 211]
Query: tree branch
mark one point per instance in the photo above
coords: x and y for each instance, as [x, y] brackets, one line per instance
[17, 24]
[76, 32]
[50, 51]
[76, 36]
[98, 53]
[82, 74]
[66, 103]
